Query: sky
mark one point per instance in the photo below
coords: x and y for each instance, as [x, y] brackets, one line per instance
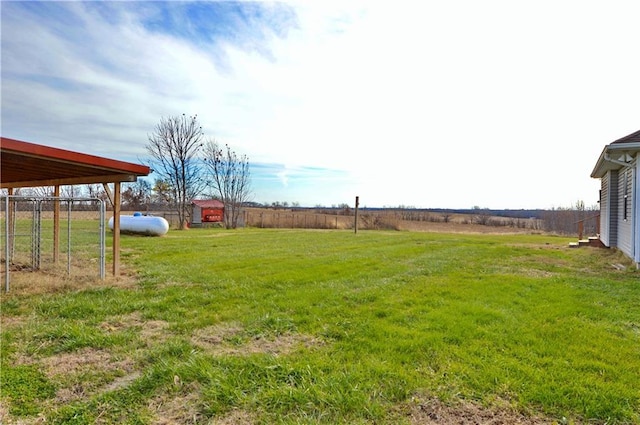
[432, 104]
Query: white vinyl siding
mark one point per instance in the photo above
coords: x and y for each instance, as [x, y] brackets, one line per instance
[636, 214]
[605, 209]
[625, 211]
[612, 206]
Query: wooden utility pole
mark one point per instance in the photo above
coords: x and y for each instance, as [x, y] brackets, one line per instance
[355, 225]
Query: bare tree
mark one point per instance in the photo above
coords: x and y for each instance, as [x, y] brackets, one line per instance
[481, 215]
[97, 191]
[161, 192]
[137, 195]
[174, 147]
[230, 178]
[38, 192]
[72, 191]
[565, 220]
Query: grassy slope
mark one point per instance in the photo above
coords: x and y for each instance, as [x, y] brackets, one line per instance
[498, 320]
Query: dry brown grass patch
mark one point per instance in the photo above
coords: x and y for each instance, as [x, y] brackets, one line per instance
[235, 417]
[51, 282]
[455, 227]
[433, 411]
[151, 331]
[230, 340]
[176, 409]
[12, 321]
[524, 271]
[85, 370]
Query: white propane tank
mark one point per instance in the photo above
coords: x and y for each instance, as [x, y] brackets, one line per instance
[142, 224]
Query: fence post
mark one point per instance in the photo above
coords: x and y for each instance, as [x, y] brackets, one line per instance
[355, 224]
[580, 229]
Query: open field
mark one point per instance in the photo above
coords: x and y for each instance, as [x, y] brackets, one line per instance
[326, 327]
[387, 219]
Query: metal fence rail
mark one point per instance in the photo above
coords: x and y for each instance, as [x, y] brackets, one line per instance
[52, 234]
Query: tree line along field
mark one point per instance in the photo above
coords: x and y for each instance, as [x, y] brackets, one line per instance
[259, 326]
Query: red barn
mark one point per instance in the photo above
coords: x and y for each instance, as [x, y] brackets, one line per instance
[207, 211]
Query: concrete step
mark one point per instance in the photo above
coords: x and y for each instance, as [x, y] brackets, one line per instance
[593, 241]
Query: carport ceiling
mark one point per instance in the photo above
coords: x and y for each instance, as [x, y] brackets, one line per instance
[24, 164]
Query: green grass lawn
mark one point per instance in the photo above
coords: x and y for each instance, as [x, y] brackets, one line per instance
[295, 326]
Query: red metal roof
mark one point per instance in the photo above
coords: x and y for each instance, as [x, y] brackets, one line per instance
[24, 164]
[208, 203]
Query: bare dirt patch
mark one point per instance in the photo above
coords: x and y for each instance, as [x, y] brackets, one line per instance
[436, 412]
[230, 340]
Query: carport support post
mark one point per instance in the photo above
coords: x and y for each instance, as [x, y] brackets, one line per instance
[56, 224]
[8, 210]
[116, 228]
[114, 198]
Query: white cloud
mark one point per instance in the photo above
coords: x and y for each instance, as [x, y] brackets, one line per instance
[445, 104]
[283, 175]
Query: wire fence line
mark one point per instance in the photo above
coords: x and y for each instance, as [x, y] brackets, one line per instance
[33, 240]
[374, 219]
[555, 221]
[567, 221]
[293, 220]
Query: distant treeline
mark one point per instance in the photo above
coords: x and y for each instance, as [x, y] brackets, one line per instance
[508, 213]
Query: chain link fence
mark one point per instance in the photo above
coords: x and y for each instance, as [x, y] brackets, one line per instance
[33, 240]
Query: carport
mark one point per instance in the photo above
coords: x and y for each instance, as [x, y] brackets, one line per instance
[24, 164]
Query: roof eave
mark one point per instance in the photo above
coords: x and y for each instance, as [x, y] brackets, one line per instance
[108, 178]
[63, 155]
[80, 168]
[603, 165]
